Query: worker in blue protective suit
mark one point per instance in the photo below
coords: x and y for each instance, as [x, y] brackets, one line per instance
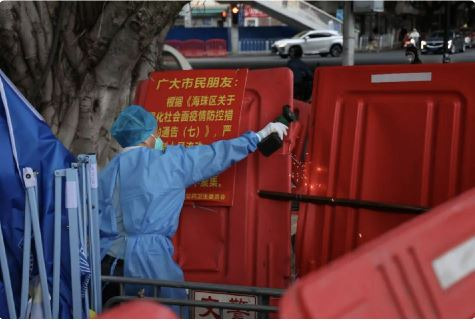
[142, 190]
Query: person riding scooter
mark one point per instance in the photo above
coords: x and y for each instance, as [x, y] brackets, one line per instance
[412, 53]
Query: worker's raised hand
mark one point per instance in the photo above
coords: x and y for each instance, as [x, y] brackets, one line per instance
[270, 128]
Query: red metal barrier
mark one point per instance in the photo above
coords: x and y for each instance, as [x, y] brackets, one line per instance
[216, 47]
[395, 134]
[177, 44]
[193, 48]
[422, 269]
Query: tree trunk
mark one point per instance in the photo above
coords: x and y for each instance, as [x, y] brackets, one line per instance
[78, 63]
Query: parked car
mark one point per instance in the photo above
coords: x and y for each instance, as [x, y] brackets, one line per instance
[435, 41]
[321, 42]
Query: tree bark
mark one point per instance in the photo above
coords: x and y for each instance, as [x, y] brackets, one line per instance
[79, 63]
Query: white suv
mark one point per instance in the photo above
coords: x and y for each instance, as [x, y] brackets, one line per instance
[322, 42]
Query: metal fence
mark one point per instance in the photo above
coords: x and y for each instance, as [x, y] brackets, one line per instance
[256, 45]
[385, 41]
[261, 308]
[380, 42]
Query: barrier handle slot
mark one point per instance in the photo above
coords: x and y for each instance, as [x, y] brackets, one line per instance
[354, 203]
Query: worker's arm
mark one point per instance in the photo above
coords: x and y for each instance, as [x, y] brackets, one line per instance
[204, 161]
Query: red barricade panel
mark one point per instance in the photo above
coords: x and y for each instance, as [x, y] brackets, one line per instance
[395, 134]
[193, 48]
[138, 309]
[248, 243]
[424, 268]
[216, 47]
[177, 44]
[301, 133]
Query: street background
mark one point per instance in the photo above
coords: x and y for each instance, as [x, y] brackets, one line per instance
[254, 61]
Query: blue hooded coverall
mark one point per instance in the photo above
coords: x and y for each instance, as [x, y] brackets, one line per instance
[148, 187]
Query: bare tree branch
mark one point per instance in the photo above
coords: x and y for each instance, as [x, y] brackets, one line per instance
[7, 19]
[88, 13]
[49, 114]
[57, 99]
[160, 42]
[111, 20]
[67, 129]
[46, 69]
[85, 133]
[107, 146]
[66, 88]
[42, 48]
[70, 40]
[51, 7]
[136, 34]
[11, 55]
[148, 61]
[47, 88]
[144, 66]
[45, 22]
[85, 59]
[28, 41]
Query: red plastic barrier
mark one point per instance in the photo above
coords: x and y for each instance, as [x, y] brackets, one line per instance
[301, 132]
[394, 134]
[248, 243]
[138, 309]
[177, 44]
[193, 48]
[216, 47]
[424, 268]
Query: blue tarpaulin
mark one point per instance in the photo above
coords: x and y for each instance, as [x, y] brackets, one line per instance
[27, 141]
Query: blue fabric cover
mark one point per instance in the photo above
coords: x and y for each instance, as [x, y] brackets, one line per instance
[35, 147]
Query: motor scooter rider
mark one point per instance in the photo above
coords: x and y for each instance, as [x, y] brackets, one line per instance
[414, 34]
[142, 190]
[412, 53]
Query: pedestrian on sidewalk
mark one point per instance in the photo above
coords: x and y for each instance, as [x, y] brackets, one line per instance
[303, 75]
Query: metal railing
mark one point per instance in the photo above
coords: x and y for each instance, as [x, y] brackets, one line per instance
[303, 13]
[262, 307]
[385, 41]
[323, 15]
[256, 45]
